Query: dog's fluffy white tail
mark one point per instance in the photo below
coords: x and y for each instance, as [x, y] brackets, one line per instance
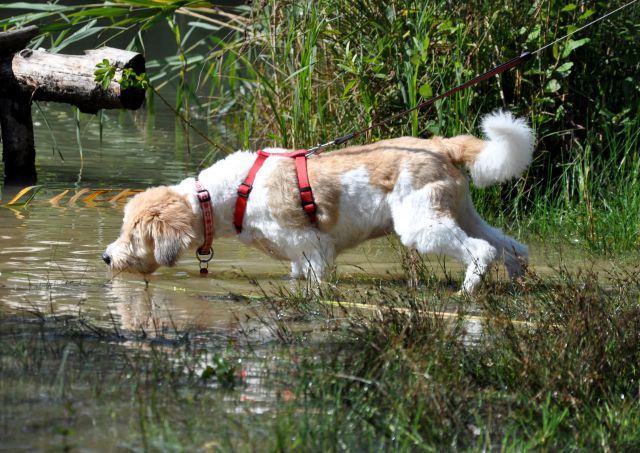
[506, 152]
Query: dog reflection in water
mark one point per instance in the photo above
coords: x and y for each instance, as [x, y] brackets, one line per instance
[156, 312]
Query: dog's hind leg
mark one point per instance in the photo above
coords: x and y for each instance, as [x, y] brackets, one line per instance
[513, 253]
[442, 235]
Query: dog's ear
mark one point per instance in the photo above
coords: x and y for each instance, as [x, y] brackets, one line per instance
[167, 248]
[168, 226]
[171, 237]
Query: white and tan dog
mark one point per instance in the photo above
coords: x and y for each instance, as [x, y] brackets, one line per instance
[413, 187]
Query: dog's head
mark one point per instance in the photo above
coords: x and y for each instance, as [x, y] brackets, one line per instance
[158, 226]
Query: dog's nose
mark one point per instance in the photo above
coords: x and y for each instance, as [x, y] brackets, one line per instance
[106, 258]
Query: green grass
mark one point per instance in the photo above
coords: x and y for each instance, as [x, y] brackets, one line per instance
[345, 378]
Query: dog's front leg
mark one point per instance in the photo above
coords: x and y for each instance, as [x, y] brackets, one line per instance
[312, 262]
[311, 255]
[310, 266]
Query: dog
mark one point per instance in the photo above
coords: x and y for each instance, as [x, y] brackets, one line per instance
[415, 188]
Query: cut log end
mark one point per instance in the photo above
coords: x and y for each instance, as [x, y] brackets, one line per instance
[133, 98]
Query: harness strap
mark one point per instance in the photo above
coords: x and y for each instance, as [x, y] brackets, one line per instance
[306, 194]
[245, 189]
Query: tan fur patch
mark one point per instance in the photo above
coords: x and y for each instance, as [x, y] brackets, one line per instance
[162, 208]
[463, 148]
[428, 161]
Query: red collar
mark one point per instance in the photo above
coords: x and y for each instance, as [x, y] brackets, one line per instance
[205, 252]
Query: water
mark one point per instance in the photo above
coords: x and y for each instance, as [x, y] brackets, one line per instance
[50, 250]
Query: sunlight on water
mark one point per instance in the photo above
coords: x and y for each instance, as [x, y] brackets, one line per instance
[51, 255]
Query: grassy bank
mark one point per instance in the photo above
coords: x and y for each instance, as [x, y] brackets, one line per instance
[550, 364]
[297, 73]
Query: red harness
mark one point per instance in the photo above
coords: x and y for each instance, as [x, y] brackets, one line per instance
[306, 195]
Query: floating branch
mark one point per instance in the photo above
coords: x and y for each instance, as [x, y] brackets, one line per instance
[70, 196]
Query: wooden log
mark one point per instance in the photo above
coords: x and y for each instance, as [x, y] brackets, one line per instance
[15, 40]
[70, 78]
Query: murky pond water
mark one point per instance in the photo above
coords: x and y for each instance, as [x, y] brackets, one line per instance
[50, 249]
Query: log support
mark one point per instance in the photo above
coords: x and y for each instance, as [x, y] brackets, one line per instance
[27, 75]
[18, 149]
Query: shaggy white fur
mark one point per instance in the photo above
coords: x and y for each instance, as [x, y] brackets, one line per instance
[508, 152]
[409, 186]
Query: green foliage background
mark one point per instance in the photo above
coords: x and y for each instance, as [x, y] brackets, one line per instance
[294, 73]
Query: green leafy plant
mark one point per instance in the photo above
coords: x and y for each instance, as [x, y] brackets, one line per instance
[224, 369]
[132, 80]
[105, 73]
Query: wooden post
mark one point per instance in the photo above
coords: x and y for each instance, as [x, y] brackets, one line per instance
[18, 150]
[27, 75]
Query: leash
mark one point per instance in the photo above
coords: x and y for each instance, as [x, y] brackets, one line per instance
[516, 61]
[497, 70]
